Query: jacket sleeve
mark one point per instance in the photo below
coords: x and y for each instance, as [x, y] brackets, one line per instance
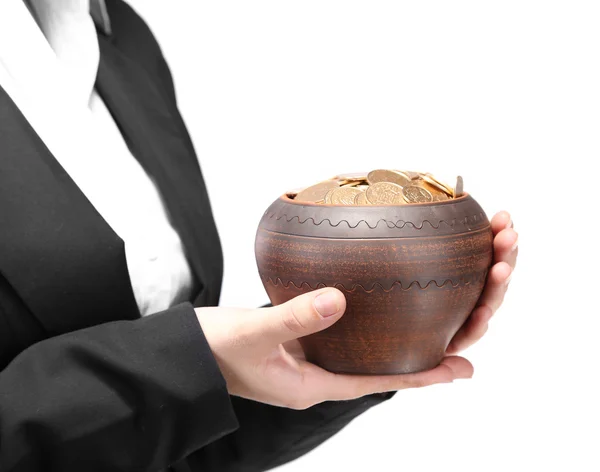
[127, 395]
[270, 436]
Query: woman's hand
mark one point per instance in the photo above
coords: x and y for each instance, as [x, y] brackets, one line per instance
[505, 259]
[249, 348]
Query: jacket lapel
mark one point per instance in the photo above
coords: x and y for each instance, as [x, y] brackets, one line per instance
[154, 131]
[56, 250]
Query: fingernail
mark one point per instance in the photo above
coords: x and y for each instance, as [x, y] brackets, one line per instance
[509, 225]
[326, 304]
[508, 279]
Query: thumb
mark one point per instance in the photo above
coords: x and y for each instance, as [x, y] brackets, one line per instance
[302, 315]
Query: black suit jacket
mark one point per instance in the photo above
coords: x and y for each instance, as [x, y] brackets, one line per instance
[86, 384]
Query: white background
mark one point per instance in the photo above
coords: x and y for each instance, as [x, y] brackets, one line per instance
[280, 94]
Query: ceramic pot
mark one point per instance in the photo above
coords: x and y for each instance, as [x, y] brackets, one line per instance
[411, 275]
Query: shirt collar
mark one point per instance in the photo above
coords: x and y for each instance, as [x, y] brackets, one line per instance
[100, 16]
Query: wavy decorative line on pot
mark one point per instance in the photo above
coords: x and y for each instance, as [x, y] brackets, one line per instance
[400, 224]
[396, 285]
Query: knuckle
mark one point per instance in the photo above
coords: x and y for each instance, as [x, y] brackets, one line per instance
[292, 321]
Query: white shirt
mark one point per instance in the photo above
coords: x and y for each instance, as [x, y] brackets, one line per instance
[49, 71]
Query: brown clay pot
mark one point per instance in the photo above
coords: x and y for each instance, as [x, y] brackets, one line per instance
[411, 275]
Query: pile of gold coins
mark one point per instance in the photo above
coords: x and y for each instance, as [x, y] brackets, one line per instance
[379, 187]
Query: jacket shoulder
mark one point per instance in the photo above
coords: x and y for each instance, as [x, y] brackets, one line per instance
[133, 37]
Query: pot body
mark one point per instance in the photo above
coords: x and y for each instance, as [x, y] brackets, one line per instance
[411, 276]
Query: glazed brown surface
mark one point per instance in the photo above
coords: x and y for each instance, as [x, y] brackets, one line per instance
[411, 275]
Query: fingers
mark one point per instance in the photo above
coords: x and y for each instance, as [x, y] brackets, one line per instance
[506, 245]
[303, 315]
[506, 241]
[505, 259]
[473, 330]
[500, 221]
[495, 287]
[337, 387]
[491, 299]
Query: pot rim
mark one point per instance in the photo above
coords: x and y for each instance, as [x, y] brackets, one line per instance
[285, 197]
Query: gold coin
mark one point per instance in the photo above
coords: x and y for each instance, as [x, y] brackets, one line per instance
[361, 199]
[411, 174]
[458, 190]
[327, 198]
[382, 193]
[351, 176]
[316, 193]
[429, 178]
[399, 200]
[391, 176]
[403, 173]
[416, 194]
[349, 183]
[436, 193]
[344, 195]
